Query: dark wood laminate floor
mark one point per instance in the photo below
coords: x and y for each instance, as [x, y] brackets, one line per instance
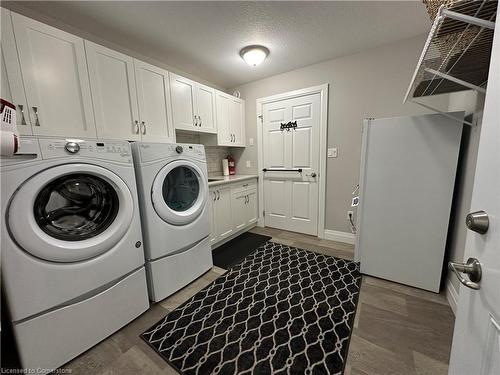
[398, 329]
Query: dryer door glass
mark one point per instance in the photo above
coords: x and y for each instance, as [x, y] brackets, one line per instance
[181, 188]
[76, 207]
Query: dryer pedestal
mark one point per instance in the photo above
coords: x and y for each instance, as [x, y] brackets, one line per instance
[169, 274]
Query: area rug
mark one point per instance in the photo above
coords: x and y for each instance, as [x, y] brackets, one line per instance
[234, 251]
[282, 310]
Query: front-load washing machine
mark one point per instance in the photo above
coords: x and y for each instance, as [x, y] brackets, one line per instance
[173, 194]
[72, 257]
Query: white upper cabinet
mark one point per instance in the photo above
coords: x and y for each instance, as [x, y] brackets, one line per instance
[114, 93]
[12, 88]
[183, 97]
[155, 112]
[230, 120]
[205, 105]
[56, 80]
[193, 105]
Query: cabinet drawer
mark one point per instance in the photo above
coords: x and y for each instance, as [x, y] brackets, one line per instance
[243, 186]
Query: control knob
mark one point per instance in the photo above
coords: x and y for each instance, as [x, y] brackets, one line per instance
[179, 149]
[72, 147]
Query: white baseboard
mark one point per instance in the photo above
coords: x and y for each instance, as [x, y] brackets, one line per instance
[451, 296]
[335, 235]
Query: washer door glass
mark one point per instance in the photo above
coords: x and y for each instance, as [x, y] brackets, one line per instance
[76, 207]
[181, 188]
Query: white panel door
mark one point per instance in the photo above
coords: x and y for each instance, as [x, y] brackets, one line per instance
[183, 98]
[56, 79]
[476, 338]
[224, 135]
[12, 81]
[291, 187]
[252, 206]
[205, 108]
[223, 213]
[237, 113]
[239, 210]
[153, 93]
[114, 94]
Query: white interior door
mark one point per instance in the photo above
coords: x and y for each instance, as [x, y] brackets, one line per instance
[290, 195]
[56, 79]
[114, 93]
[182, 91]
[153, 92]
[476, 340]
[12, 88]
[205, 104]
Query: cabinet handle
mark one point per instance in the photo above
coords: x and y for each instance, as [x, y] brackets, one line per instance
[218, 194]
[21, 108]
[143, 125]
[195, 120]
[246, 199]
[136, 126]
[37, 120]
[215, 196]
[199, 118]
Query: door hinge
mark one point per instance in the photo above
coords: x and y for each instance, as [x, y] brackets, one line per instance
[261, 118]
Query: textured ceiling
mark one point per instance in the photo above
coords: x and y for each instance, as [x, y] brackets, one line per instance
[204, 38]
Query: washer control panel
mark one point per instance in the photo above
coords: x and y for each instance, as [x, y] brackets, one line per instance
[107, 150]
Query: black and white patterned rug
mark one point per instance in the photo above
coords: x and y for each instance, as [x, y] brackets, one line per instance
[282, 310]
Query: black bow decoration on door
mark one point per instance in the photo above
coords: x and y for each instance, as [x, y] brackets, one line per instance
[289, 125]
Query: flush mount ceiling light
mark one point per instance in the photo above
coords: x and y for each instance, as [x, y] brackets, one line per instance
[254, 55]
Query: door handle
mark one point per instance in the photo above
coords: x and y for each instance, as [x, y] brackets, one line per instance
[478, 222]
[471, 268]
[37, 120]
[21, 108]
[136, 123]
[143, 125]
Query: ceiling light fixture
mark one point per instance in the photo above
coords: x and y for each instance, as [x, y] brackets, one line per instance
[254, 55]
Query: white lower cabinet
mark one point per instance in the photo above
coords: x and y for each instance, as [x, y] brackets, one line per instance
[233, 209]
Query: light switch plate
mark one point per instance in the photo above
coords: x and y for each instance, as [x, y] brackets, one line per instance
[249, 164]
[250, 141]
[332, 152]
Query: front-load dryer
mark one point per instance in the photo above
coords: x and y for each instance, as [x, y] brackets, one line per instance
[72, 253]
[173, 194]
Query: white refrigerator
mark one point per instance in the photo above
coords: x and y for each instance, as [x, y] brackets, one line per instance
[407, 177]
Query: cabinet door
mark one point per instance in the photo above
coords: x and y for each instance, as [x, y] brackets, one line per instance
[213, 220]
[205, 108]
[155, 112]
[223, 215]
[12, 88]
[224, 136]
[239, 210]
[236, 114]
[56, 79]
[113, 93]
[252, 207]
[182, 91]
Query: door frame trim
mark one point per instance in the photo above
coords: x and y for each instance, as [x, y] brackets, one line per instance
[323, 91]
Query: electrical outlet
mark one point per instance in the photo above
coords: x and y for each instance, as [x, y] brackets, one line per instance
[250, 141]
[350, 214]
[249, 164]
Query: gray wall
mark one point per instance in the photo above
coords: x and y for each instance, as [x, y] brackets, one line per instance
[367, 84]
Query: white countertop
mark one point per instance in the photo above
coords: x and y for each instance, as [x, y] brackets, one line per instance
[219, 180]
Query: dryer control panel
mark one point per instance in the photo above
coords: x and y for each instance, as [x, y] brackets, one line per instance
[107, 150]
[159, 151]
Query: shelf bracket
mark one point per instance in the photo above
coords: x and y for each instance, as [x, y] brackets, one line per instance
[456, 80]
